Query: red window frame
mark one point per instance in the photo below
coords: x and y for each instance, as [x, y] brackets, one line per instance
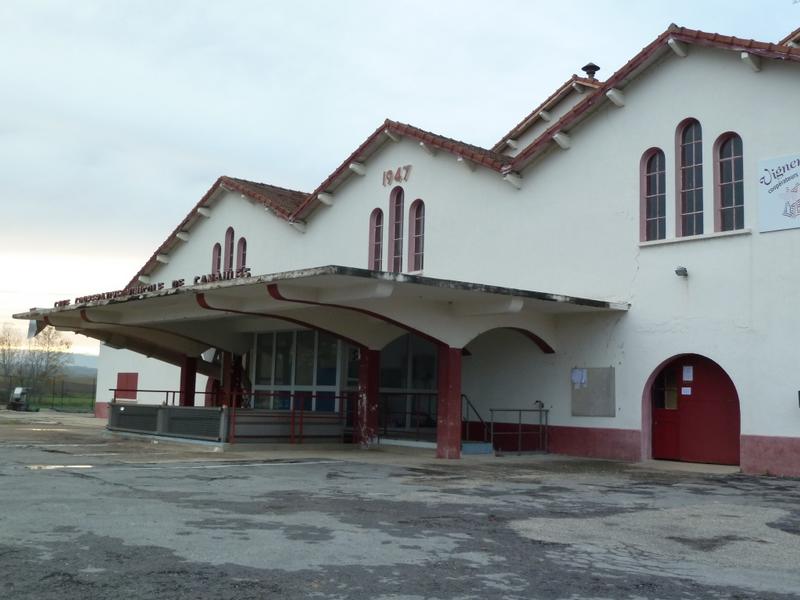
[653, 196]
[216, 258]
[229, 235]
[396, 230]
[728, 182]
[689, 171]
[376, 240]
[416, 235]
[241, 254]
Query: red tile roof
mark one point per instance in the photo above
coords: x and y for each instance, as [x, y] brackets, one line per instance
[379, 137]
[280, 200]
[551, 100]
[632, 67]
[795, 35]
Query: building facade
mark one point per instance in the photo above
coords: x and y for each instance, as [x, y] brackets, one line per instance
[622, 259]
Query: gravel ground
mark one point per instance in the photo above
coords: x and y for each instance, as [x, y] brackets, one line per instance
[90, 515]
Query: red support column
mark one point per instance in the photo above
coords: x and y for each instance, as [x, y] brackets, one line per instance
[188, 380]
[448, 420]
[366, 417]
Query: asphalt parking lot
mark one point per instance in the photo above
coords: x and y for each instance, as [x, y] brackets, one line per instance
[88, 514]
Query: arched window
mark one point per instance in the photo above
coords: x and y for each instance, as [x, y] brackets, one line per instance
[229, 249]
[216, 255]
[690, 178]
[396, 230]
[653, 206]
[241, 254]
[376, 240]
[729, 196]
[416, 235]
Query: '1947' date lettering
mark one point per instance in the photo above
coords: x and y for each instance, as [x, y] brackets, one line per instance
[396, 175]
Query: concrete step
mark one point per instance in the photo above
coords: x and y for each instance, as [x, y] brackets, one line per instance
[476, 448]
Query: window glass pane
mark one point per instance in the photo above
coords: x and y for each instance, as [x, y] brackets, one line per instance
[352, 359]
[283, 357]
[737, 169]
[326, 359]
[423, 364]
[698, 177]
[304, 355]
[726, 150]
[662, 229]
[688, 179]
[651, 230]
[738, 217]
[727, 219]
[652, 205]
[727, 194]
[282, 400]
[739, 195]
[326, 401]
[688, 155]
[394, 364]
[264, 359]
[725, 171]
[652, 183]
[698, 223]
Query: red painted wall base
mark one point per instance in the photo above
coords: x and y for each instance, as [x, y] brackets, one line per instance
[594, 442]
[101, 410]
[770, 455]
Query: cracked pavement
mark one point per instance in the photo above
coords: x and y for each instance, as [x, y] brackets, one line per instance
[90, 514]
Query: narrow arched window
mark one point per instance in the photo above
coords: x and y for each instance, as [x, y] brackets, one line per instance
[653, 207]
[376, 240]
[241, 254]
[216, 258]
[229, 249]
[416, 235]
[729, 197]
[690, 178]
[396, 230]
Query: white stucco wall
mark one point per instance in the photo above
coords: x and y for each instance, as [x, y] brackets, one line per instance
[574, 229]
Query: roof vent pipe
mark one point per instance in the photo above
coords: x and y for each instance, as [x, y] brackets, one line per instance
[590, 70]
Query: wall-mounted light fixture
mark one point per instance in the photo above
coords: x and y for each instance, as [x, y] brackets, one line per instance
[681, 271]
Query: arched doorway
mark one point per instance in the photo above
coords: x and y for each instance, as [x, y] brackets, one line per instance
[695, 412]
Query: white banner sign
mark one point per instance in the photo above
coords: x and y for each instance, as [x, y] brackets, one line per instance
[779, 193]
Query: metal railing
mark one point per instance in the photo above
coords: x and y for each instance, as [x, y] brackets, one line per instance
[465, 417]
[410, 415]
[531, 432]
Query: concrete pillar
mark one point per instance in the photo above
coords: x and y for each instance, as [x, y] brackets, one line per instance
[448, 420]
[227, 378]
[366, 417]
[188, 380]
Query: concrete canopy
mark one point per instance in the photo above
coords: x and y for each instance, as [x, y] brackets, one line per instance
[366, 308]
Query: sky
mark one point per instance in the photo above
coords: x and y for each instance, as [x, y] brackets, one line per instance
[116, 117]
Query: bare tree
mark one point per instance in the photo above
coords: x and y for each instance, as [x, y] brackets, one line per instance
[11, 350]
[44, 359]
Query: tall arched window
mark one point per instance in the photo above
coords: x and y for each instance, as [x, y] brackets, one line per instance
[416, 235]
[229, 249]
[653, 207]
[216, 256]
[729, 196]
[241, 254]
[376, 240]
[396, 230]
[690, 178]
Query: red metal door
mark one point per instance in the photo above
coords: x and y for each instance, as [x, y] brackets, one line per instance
[666, 432]
[695, 413]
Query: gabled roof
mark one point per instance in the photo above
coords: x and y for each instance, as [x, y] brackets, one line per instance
[281, 201]
[792, 37]
[636, 65]
[383, 135]
[549, 103]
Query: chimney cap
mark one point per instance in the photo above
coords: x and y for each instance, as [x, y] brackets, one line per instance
[590, 69]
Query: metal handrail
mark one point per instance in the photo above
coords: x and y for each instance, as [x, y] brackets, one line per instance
[543, 425]
[465, 398]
